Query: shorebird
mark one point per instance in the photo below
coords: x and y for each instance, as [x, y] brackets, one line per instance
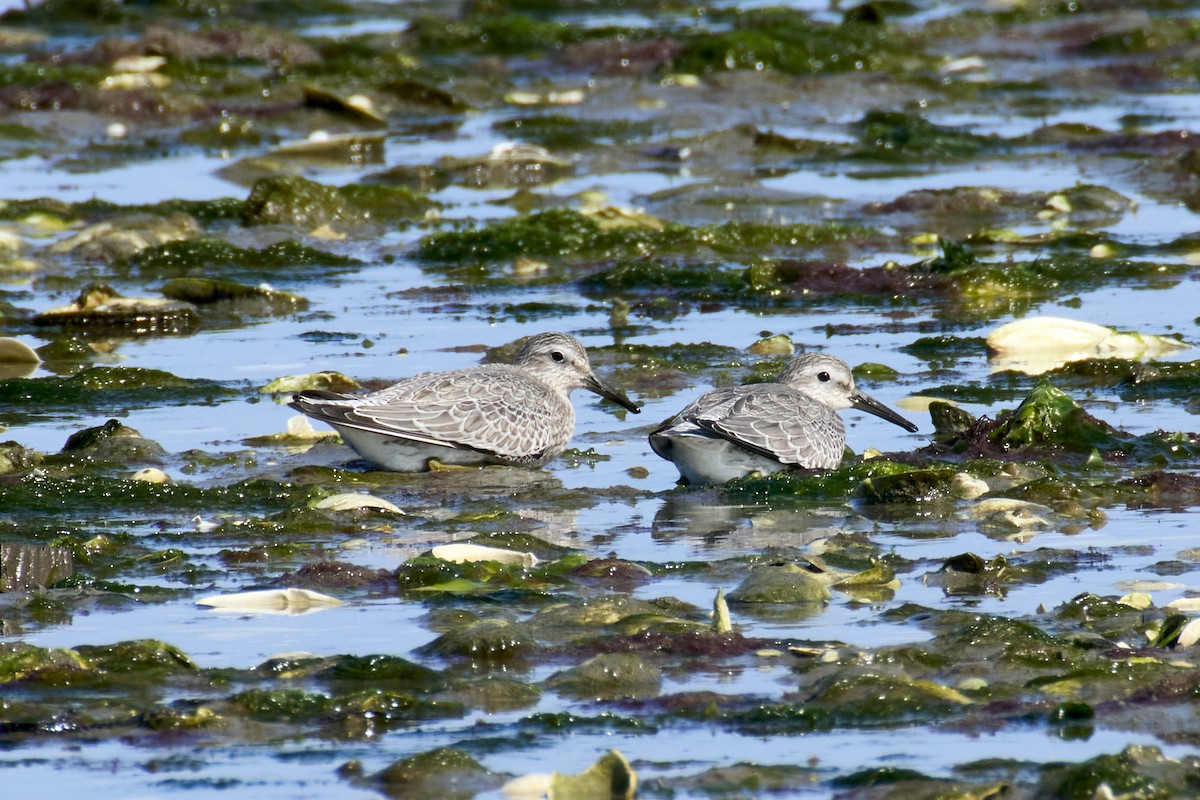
[518, 414]
[768, 427]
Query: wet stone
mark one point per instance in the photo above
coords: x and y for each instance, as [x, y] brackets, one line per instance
[100, 309]
[116, 443]
[124, 237]
[916, 486]
[204, 291]
[300, 203]
[610, 676]
[780, 583]
[15, 458]
[445, 772]
[485, 640]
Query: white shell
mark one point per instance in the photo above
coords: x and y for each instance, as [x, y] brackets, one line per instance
[299, 427]
[1185, 604]
[138, 63]
[1139, 600]
[967, 487]
[997, 505]
[351, 501]
[150, 475]
[1038, 344]
[1149, 586]
[288, 601]
[470, 553]
[1190, 634]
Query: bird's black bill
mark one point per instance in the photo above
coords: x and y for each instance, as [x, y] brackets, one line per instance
[604, 390]
[872, 406]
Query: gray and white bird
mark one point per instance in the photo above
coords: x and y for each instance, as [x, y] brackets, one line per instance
[768, 427]
[518, 414]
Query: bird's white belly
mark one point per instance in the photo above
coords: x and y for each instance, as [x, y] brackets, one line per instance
[405, 455]
[705, 459]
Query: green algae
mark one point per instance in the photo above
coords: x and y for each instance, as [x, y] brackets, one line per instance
[201, 256]
[1125, 773]
[509, 34]
[749, 779]
[377, 707]
[1049, 416]
[608, 676]
[494, 694]
[875, 699]
[69, 12]
[427, 575]
[488, 640]
[148, 659]
[306, 204]
[561, 131]
[99, 388]
[380, 671]
[204, 291]
[445, 772]
[911, 486]
[781, 719]
[896, 137]
[78, 494]
[780, 583]
[570, 234]
[791, 42]
[222, 209]
[835, 484]
[641, 267]
[54, 666]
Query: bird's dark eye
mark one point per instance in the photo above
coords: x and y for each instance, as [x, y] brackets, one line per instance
[557, 356]
[823, 377]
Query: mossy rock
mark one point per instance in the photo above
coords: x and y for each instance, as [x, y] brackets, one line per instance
[139, 656]
[609, 676]
[114, 442]
[780, 583]
[913, 486]
[29, 664]
[100, 310]
[300, 203]
[205, 291]
[485, 640]
[445, 772]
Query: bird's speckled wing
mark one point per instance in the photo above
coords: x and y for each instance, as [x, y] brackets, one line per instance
[493, 408]
[779, 423]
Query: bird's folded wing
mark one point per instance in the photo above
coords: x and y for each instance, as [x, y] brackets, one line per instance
[514, 417]
[781, 424]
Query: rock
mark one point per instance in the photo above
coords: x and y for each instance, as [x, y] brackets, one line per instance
[17, 458]
[300, 203]
[1038, 344]
[356, 107]
[322, 381]
[780, 583]
[126, 236]
[115, 442]
[354, 501]
[204, 291]
[609, 676]
[778, 345]
[100, 308]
